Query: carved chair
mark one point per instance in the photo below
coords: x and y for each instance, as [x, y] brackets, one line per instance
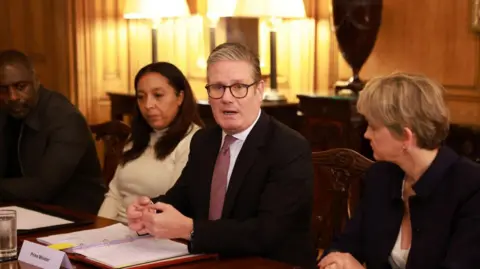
[338, 174]
[114, 135]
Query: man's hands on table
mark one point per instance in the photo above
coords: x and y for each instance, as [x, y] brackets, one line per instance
[160, 220]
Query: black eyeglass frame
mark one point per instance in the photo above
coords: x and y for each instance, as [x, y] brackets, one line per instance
[224, 87]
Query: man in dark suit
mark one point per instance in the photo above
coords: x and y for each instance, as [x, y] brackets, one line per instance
[247, 189]
[47, 153]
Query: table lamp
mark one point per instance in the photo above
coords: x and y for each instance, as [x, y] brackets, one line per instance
[155, 10]
[217, 9]
[275, 10]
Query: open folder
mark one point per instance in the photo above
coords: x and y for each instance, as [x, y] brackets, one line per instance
[115, 246]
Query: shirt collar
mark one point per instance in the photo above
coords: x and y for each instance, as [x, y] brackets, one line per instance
[434, 174]
[437, 171]
[243, 134]
[33, 118]
[156, 134]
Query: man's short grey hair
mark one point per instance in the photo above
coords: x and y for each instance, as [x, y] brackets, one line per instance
[236, 52]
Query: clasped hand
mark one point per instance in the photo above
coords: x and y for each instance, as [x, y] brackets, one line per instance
[167, 223]
[338, 260]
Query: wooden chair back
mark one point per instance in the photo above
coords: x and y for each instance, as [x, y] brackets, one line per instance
[338, 174]
[114, 135]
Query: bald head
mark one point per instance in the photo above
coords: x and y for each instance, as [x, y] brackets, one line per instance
[18, 84]
[15, 57]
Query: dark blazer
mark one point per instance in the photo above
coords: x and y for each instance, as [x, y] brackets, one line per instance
[445, 216]
[268, 205]
[57, 155]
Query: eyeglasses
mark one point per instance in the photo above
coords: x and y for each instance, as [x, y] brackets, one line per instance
[238, 90]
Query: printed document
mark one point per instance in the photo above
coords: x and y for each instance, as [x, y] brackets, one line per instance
[117, 247]
[28, 219]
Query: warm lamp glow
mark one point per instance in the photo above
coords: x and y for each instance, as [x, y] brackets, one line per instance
[155, 10]
[270, 8]
[152, 9]
[275, 11]
[220, 8]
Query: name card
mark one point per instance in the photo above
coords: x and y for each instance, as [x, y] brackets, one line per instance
[43, 256]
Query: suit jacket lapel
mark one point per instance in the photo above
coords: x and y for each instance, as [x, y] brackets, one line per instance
[245, 160]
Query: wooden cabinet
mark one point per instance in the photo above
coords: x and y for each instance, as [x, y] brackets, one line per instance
[121, 105]
[465, 140]
[332, 122]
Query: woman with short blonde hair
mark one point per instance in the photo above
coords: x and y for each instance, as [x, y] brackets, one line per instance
[405, 100]
[421, 201]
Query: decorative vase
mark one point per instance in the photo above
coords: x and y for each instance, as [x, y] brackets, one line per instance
[356, 24]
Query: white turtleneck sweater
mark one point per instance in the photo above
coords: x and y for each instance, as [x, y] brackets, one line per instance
[145, 176]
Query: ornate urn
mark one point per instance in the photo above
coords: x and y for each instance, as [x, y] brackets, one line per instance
[356, 24]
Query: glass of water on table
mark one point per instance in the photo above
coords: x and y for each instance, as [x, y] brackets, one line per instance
[8, 235]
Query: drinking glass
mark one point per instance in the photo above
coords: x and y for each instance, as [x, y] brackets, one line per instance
[8, 235]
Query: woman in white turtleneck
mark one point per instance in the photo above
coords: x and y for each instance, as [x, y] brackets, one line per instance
[165, 122]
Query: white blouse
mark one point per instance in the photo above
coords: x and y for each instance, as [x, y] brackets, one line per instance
[398, 257]
[145, 176]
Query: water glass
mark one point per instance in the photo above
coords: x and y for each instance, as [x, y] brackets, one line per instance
[8, 235]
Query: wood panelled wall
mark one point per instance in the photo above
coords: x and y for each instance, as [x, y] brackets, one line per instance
[433, 38]
[43, 30]
[429, 37]
[85, 48]
[102, 55]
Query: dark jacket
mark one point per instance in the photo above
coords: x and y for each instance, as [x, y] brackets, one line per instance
[268, 205]
[445, 216]
[57, 157]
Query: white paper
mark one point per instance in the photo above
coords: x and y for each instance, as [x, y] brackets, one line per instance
[90, 237]
[141, 250]
[117, 246]
[29, 219]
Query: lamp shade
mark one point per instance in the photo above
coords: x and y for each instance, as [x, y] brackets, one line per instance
[270, 8]
[220, 8]
[150, 9]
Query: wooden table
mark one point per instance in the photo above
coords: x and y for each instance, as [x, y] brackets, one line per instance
[98, 222]
[250, 263]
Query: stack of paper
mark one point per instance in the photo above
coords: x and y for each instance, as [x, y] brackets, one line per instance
[139, 251]
[116, 246]
[29, 219]
[112, 233]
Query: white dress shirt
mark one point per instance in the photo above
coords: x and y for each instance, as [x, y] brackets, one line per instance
[236, 146]
[398, 257]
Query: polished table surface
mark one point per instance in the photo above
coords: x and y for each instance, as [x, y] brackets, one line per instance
[250, 263]
[98, 222]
